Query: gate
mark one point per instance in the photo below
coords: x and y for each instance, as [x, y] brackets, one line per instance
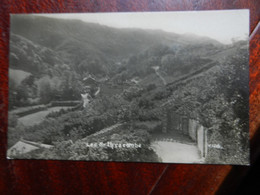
[185, 125]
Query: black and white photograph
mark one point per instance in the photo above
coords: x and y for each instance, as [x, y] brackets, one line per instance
[166, 87]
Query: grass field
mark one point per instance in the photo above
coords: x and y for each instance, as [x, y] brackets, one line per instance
[38, 117]
[18, 75]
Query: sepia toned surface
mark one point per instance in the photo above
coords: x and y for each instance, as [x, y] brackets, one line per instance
[23, 177]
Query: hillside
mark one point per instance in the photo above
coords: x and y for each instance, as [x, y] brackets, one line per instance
[60, 53]
[77, 42]
[31, 57]
[58, 33]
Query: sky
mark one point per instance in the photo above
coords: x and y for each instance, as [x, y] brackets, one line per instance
[222, 25]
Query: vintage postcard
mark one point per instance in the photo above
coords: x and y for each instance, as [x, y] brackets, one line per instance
[169, 87]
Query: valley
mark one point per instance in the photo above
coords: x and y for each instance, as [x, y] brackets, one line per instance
[121, 82]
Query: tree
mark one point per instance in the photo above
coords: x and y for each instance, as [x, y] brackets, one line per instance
[44, 90]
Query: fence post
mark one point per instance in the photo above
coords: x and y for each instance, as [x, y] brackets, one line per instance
[205, 142]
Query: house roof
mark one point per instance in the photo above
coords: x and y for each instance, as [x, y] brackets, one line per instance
[90, 80]
[23, 146]
[20, 148]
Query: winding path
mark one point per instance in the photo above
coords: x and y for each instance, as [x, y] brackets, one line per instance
[174, 152]
[156, 69]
